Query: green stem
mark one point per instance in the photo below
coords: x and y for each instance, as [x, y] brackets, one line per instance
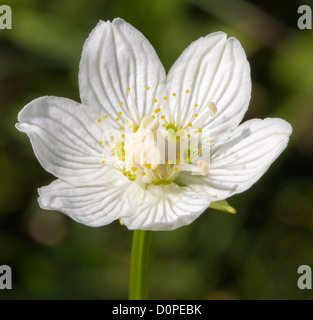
[139, 265]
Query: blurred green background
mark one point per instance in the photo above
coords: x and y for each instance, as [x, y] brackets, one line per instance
[252, 255]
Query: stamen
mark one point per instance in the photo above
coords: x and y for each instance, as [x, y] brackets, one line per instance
[182, 109]
[135, 106]
[203, 167]
[213, 109]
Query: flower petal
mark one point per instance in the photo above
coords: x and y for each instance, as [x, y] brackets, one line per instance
[239, 162]
[65, 139]
[167, 207]
[213, 69]
[93, 206]
[116, 57]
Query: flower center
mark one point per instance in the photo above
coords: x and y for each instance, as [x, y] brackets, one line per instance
[148, 152]
[160, 146]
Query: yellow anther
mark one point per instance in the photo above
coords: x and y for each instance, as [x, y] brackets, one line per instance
[113, 154]
[196, 115]
[163, 117]
[148, 88]
[104, 156]
[134, 168]
[174, 94]
[123, 136]
[108, 145]
[153, 117]
[123, 159]
[158, 172]
[213, 109]
[121, 128]
[196, 105]
[143, 174]
[148, 166]
[127, 121]
[100, 143]
[203, 167]
[120, 113]
[189, 124]
[121, 103]
[177, 161]
[176, 169]
[117, 119]
[165, 98]
[200, 151]
[163, 125]
[128, 89]
[189, 160]
[207, 141]
[155, 100]
[103, 161]
[187, 91]
[105, 117]
[99, 120]
[188, 136]
[199, 130]
[178, 153]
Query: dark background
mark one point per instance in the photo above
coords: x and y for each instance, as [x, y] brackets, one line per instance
[252, 255]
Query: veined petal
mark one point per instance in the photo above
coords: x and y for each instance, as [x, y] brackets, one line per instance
[65, 139]
[212, 69]
[167, 207]
[93, 206]
[120, 71]
[239, 162]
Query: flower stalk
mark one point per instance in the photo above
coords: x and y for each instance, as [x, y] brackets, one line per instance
[139, 265]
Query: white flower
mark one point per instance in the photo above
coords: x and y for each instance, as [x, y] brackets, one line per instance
[185, 150]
